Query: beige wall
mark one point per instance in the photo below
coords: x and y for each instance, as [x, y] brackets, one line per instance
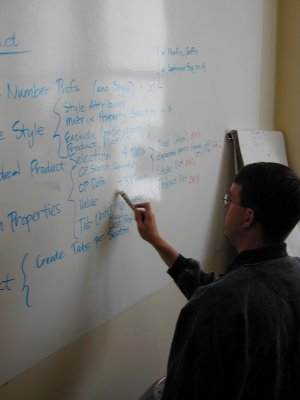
[117, 361]
[287, 106]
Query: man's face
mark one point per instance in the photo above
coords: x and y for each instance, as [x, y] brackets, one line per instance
[235, 217]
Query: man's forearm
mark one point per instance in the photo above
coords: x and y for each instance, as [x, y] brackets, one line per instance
[166, 252]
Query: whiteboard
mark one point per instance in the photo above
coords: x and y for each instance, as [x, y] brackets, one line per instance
[99, 96]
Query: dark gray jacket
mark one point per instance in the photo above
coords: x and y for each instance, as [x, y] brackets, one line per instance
[238, 337]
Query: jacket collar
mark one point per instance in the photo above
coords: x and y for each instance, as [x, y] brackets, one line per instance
[257, 255]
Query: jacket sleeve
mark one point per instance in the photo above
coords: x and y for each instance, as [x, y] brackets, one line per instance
[188, 275]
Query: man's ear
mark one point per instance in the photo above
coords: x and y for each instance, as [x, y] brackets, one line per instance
[249, 219]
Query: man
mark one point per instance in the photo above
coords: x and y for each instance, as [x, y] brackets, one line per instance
[238, 336]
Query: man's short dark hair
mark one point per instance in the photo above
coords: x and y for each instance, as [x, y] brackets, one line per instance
[272, 190]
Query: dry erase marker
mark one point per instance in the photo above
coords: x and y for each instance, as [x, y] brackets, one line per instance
[127, 199]
[129, 202]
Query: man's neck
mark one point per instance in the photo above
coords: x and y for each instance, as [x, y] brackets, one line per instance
[253, 242]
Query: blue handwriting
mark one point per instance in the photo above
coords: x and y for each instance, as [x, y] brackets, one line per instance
[8, 174]
[34, 92]
[87, 203]
[80, 247]
[98, 239]
[5, 283]
[42, 261]
[70, 88]
[16, 220]
[10, 44]
[25, 286]
[85, 224]
[28, 134]
[36, 169]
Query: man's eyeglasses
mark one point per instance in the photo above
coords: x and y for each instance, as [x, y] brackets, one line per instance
[227, 201]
